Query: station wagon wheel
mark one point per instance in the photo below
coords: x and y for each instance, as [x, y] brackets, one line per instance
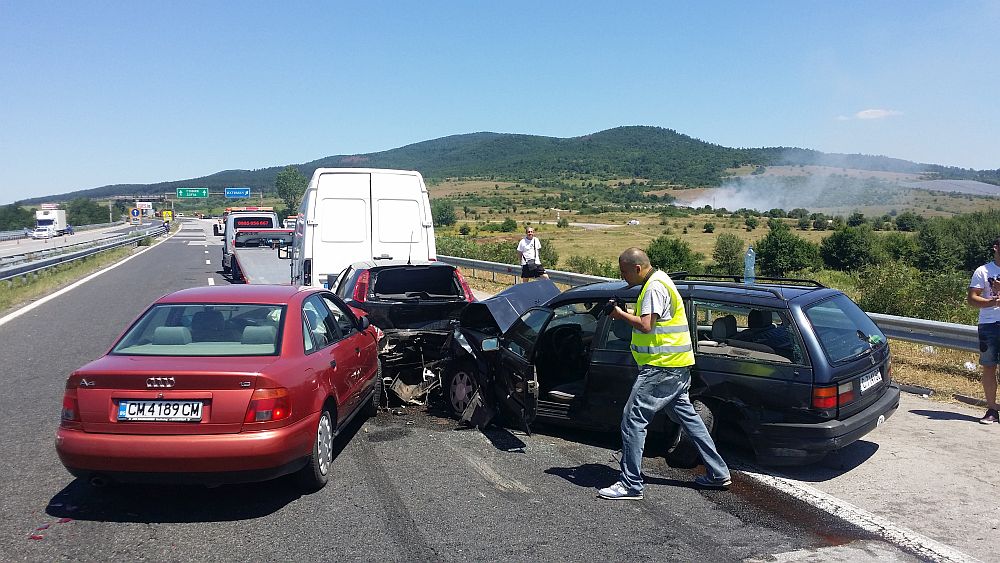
[462, 385]
[681, 451]
[316, 473]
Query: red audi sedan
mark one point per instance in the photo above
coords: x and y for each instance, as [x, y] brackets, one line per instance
[223, 384]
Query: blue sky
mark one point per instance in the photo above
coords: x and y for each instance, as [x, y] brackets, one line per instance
[96, 93]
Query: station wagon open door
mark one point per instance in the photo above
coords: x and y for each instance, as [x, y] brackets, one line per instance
[516, 382]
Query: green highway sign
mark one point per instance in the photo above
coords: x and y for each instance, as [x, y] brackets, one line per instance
[192, 192]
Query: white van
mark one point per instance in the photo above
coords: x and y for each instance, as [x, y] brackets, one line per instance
[353, 214]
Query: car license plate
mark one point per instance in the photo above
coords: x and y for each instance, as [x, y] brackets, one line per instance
[870, 380]
[160, 411]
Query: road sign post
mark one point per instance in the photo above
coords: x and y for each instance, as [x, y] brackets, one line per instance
[192, 192]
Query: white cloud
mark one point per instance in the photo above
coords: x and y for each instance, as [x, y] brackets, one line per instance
[876, 113]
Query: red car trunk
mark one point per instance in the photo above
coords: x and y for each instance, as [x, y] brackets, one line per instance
[221, 385]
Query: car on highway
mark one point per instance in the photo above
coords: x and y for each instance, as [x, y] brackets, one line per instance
[790, 368]
[414, 303]
[43, 232]
[222, 384]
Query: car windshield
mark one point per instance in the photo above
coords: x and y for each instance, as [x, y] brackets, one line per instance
[205, 330]
[417, 283]
[843, 329]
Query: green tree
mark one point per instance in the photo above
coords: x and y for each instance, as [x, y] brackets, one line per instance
[781, 252]
[709, 227]
[728, 254]
[751, 223]
[900, 247]
[673, 255]
[804, 223]
[851, 249]
[290, 184]
[443, 213]
[909, 221]
[856, 219]
[13, 217]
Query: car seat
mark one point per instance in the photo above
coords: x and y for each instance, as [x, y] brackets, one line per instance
[171, 335]
[258, 335]
[208, 326]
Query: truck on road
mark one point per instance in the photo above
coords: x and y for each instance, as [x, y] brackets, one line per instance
[53, 220]
[260, 256]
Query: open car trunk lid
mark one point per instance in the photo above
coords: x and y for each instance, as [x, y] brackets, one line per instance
[116, 395]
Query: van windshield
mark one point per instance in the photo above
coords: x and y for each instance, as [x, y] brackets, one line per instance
[843, 329]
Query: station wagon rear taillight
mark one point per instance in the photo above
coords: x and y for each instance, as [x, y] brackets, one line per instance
[268, 405]
[833, 396]
[361, 288]
[70, 410]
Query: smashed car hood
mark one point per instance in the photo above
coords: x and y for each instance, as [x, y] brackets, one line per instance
[503, 309]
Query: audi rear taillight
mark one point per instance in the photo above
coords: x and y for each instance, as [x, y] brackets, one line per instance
[465, 286]
[361, 288]
[833, 396]
[70, 410]
[268, 405]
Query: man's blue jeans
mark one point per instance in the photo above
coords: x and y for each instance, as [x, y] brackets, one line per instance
[654, 389]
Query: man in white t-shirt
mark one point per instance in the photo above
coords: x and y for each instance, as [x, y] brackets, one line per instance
[529, 249]
[984, 294]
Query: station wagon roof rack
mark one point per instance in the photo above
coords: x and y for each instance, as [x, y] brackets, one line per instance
[739, 279]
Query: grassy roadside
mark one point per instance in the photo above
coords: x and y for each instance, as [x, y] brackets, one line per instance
[942, 370]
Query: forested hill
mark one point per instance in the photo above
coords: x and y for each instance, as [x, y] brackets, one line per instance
[623, 152]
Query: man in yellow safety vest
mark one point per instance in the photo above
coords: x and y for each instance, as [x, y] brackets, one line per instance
[661, 345]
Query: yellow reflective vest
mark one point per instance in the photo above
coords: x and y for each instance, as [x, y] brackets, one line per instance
[669, 343]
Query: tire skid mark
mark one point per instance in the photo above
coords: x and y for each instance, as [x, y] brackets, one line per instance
[399, 522]
[498, 481]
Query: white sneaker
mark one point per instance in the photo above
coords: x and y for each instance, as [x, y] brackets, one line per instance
[619, 491]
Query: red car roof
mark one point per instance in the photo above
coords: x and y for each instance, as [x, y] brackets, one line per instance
[272, 294]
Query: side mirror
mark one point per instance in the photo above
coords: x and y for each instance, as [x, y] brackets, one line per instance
[284, 252]
[490, 345]
[364, 323]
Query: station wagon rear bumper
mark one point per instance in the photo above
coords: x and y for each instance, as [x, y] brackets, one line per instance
[801, 443]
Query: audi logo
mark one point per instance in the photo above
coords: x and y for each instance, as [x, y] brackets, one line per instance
[160, 382]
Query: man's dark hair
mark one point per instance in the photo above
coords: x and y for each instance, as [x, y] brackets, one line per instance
[996, 242]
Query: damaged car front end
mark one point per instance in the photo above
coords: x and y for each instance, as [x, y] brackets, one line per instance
[478, 381]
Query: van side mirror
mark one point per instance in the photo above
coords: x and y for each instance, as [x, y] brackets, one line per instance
[490, 345]
[307, 272]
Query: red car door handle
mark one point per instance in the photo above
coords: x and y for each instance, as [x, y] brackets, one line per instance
[333, 363]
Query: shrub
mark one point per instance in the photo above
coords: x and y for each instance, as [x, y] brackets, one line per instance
[591, 266]
[709, 227]
[673, 255]
[728, 254]
[781, 252]
[851, 248]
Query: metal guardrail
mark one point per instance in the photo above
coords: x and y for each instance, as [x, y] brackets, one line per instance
[30, 266]
[921, 331]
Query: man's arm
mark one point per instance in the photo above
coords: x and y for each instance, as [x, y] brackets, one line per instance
[644, 323]
[976, 299]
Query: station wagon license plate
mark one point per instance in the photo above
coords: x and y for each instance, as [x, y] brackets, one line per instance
[870, 380]
[160, 411]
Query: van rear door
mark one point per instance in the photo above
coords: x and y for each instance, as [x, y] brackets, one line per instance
[341, 223]
[401, 221]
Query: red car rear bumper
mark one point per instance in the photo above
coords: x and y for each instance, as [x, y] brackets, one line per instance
[245, 456]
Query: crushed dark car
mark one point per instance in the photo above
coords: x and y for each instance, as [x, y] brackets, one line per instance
[415, 304]
[790, 368]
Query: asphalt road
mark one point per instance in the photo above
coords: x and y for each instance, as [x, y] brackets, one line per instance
[411, 486]
[27, 245]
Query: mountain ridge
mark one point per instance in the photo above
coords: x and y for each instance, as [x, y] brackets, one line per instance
[638, 151]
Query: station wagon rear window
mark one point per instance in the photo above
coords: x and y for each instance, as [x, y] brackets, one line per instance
[843, 329]
[206, 330]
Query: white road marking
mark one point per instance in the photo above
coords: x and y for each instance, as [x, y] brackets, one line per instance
[899, 536]
[51, 296]
[208, 262]
[211, 281]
